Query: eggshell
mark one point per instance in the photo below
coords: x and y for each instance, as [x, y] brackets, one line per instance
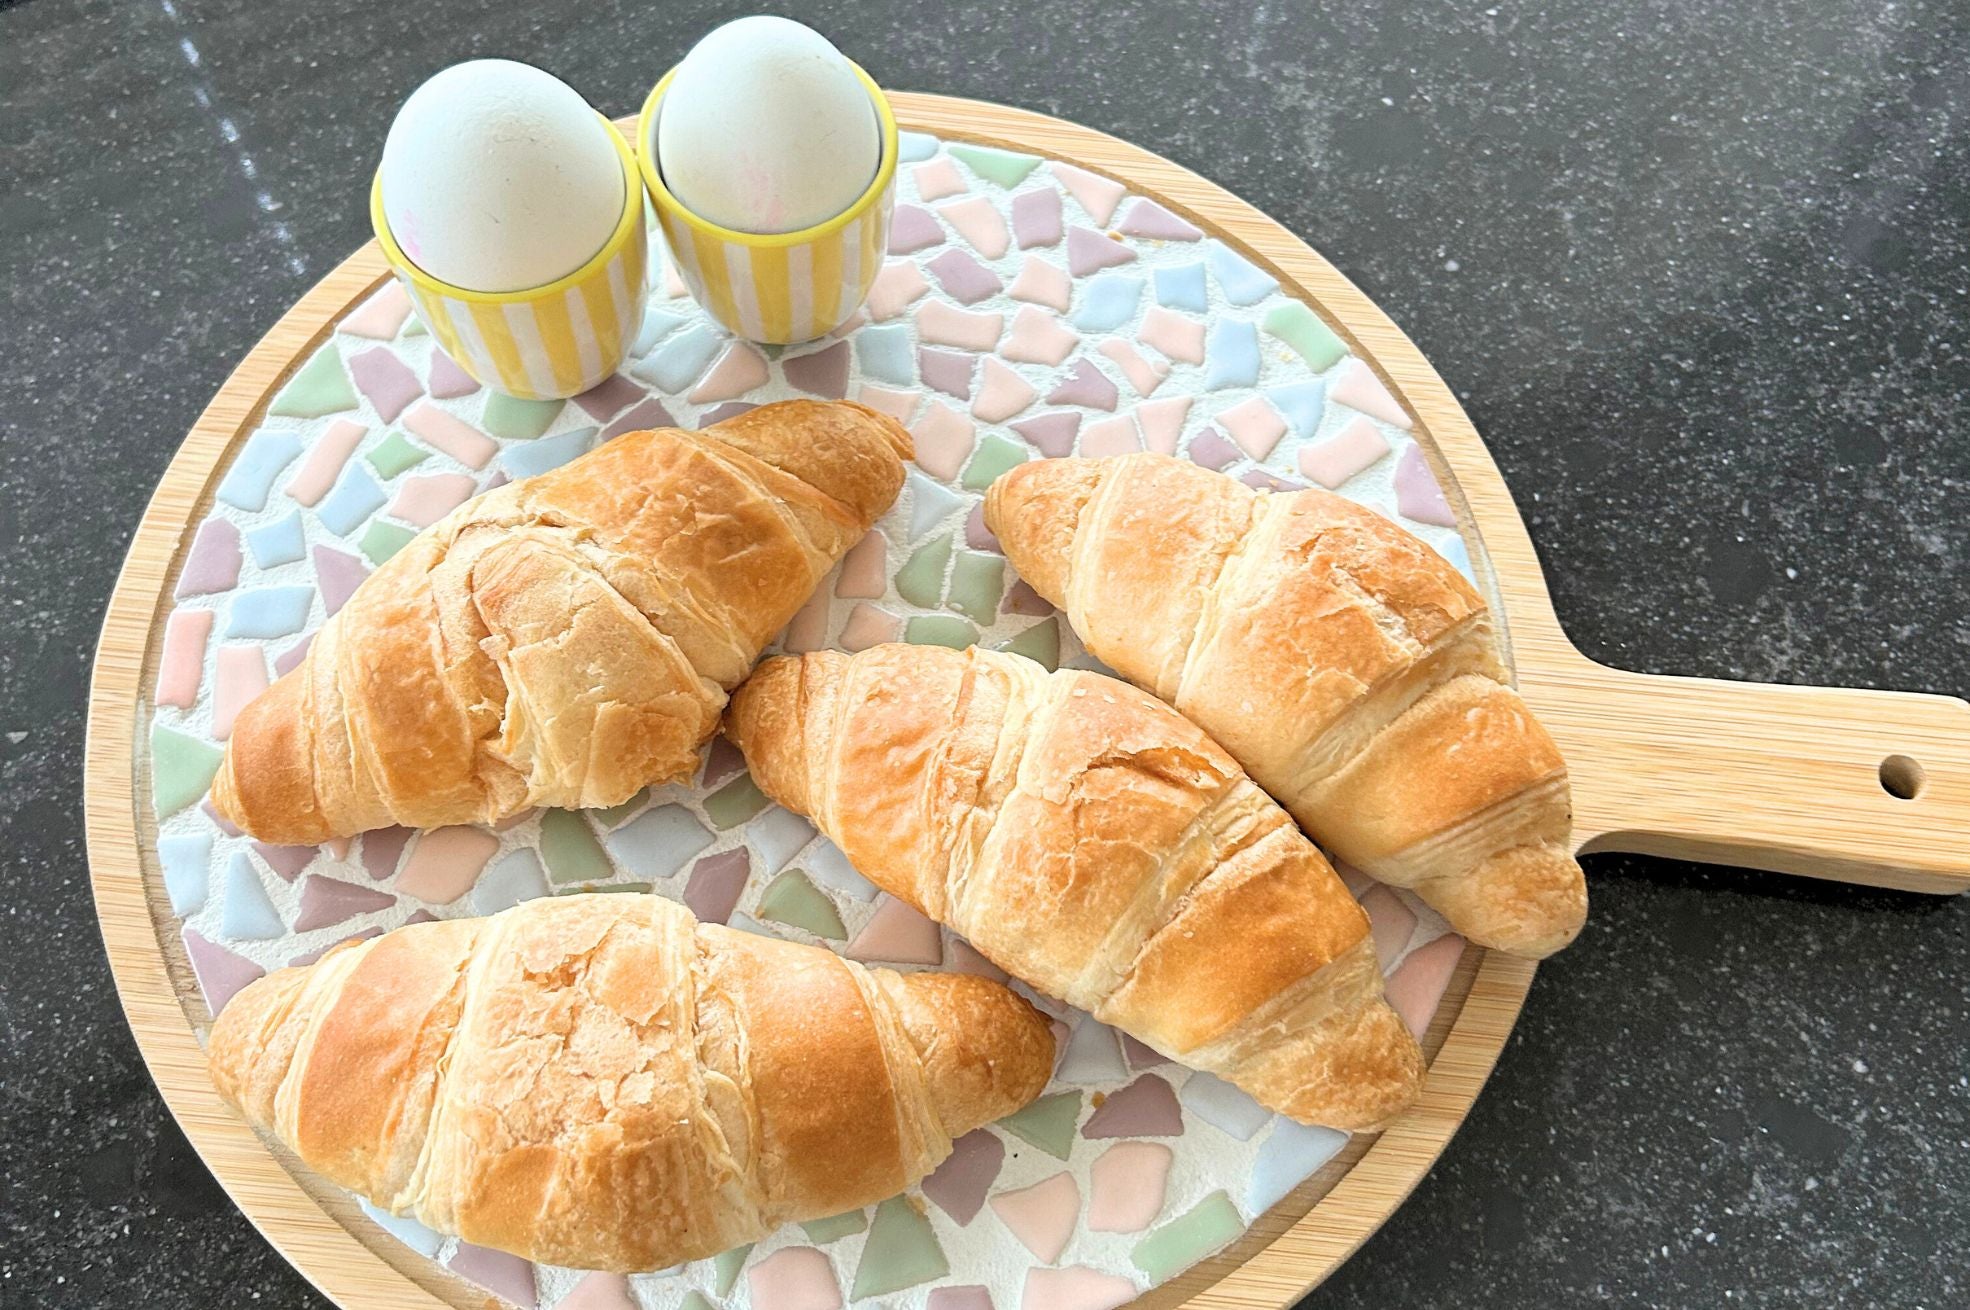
[766, 128]
[498, 176]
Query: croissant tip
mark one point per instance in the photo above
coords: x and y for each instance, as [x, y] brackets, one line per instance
[238, 1046]
[1531, 901]
[1382, 1080]
[1034, 509]
[993, 1051]
[1549, 940]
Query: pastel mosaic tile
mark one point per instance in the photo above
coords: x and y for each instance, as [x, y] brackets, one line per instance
[182, 666]
[979, 222]
[1145, 1108]
[912, 229]
[901, 1251]
[379, 317]
[1001, 392]
[962, 277]
[447, 380]
[793, 900]
[385, 380]
[276, 543]
[1128, 1183]
[1096, 195]
[444, 864]
[452, 436]
[1182, 286]
[1042, 1216]
[1089, 251]
[320, 386]
[897, 934]
[1075, 1287]
[1108, 302]
[959, 1185]
[1036, 218]
[1042, 283]
[1145, 375]
[212, 564]
[1047, 1123]
[898, 286]
[1002, 167]
[1146, 218]
[1029, 309]
[796, 1278]
[1182, 1242]
[1085, 385]
[1092, 1056]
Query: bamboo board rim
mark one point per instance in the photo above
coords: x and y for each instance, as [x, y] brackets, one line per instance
[314, 1227]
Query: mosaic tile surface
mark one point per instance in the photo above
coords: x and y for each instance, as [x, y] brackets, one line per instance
[1028, 309]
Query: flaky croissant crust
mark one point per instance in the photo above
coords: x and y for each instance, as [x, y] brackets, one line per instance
[602, 1082]
[565, 640]
[1095, 844]
[1343, 662]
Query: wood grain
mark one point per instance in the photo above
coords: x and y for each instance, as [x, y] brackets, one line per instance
[1777, 777]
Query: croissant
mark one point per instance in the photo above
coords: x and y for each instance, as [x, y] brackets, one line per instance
[565, 640]
[1088, 839]
[1335, 655]
[602, 1082]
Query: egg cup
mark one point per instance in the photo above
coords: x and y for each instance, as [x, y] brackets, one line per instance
[779, 288]
[549, 342]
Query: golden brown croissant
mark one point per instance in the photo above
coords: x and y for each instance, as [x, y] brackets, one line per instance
[564, 640]
[1336, 656]
[1091, 841]
[602, 1082]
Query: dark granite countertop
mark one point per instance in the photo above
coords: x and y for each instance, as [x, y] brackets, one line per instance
[1701, 273]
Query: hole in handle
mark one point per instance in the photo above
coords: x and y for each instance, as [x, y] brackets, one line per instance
[1902, 777]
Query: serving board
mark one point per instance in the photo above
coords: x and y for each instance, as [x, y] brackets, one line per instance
[1868, 786]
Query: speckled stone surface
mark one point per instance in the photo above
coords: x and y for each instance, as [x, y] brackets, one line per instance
[1698, 274]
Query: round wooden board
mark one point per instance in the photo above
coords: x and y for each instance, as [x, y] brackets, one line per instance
[319, 1228]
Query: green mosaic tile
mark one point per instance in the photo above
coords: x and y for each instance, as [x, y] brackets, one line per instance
[835, 1227]
[940, 630]
[1183, 1241]
[394, 454]
[792, 899]
[901, 1252]
[921, 579]
[1047, 1123]
[181, 769]
[735, 802]
[977, 582]
[995, 455]
[321, 387]
[381, 540]
[569, 849]
[1301, 328]
[516, 419]
[725, 1267]
[1005, 167]
[1041, 642]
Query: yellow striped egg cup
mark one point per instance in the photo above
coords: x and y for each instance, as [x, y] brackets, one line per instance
[781, 287]
[549, 342]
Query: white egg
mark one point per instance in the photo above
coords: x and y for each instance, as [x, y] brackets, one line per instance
[498, 176]
[766, 128]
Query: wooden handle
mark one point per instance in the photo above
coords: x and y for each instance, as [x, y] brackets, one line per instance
[1863, 786]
